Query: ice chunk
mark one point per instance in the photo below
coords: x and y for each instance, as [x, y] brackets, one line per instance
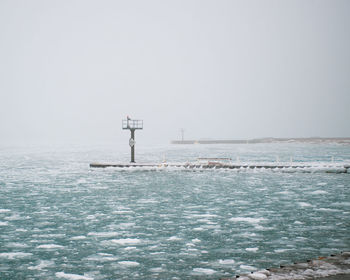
[247, 220]
[174, 238]
[129, 263]
[206, 271]
[15, 255]
[70, 276]
[103, 234]
[41, 265]
[252, 249]
[226, 262]
[319, 192]
[305, 204]
[79, 237]
[49, 246]
[126, 241]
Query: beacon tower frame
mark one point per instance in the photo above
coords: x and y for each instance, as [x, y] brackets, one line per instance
[132, 125]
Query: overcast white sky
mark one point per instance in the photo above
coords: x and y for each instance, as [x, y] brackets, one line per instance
[71, 70]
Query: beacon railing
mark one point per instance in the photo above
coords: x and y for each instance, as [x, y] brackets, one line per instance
[132, 124]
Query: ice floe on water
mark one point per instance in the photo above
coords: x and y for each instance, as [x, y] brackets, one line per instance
[78, 237]
[328, 210]
[227, 262]
[71, 276]
[205, 271]
[304, 204]
[281, 250]
[319, 192]
[15, 255]
[249, 220]
[255, 249]
[129, 263]
[42, 264]
[126, 241]
[130, 248]
[174, 238]
[102, 257]
[17, 245]
[156, 269]
[147, 201]
[50, 246]
[21, 230]
[103, 234]
[122, 212]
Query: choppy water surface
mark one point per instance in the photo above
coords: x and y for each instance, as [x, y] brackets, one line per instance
[61, 219]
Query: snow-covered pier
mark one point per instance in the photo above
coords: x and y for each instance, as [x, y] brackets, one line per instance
[306, 167]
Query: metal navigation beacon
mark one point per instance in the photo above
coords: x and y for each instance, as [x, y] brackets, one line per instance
[132, 125]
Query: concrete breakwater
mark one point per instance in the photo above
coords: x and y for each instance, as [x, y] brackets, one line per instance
[311, 140]
[287, 167]
[325, 268]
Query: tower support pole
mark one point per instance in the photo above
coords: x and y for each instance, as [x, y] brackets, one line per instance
[132, 144]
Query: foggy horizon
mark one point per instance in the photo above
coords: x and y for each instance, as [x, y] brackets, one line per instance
[72, 70]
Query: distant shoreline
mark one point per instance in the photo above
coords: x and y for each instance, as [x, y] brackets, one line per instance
[313, 140]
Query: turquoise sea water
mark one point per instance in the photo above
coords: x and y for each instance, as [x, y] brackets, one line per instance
[59, 219]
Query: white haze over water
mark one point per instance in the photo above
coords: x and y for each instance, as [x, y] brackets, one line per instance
[71, 70]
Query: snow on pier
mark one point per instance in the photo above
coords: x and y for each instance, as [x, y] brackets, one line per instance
[288, 167]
